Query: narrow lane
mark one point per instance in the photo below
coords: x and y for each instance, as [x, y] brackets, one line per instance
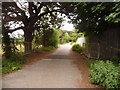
[55, 71]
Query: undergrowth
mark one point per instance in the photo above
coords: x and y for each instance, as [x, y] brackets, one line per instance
[13, 63]
[104, 73]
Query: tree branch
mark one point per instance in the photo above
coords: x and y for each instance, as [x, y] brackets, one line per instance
[8, 18]
[10, 31]
[30, 9]
[57, 10]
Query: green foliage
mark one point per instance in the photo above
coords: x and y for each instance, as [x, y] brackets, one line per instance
[45, 21]
[18, 59]
[9, 66]
[104, 73]
[93, 17]
[114, 16]
[89, 62]
[1, 52]
[77, 47]
[115, 59]
[70, 36]
[75, 35]
[13, 63]
[50, 37]
[65, 37]
[37, 40]
[87, 39]
[54, 38]
[46, 48]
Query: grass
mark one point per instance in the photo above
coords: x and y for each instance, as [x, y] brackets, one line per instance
[45, 48]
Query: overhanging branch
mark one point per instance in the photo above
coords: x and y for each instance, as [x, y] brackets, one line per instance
[10, 31]
[57, 10]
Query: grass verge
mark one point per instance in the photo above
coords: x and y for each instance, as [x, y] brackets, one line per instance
[45, 48]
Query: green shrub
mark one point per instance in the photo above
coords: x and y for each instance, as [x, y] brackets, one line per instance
[8, 66]
[105, 73]
[18, 59]
[77, 47]
[14, 63]
[89, 62]
[115, 59]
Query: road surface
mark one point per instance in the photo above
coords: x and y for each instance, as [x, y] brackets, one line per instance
[54, 71]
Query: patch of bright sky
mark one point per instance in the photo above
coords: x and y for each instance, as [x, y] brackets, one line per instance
[67, 26]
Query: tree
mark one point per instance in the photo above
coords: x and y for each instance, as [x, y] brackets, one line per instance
[53, 40]
[46, 27]
[75, 35]
[26, 14]
[64, 37]
[6, 43]
[93, 17]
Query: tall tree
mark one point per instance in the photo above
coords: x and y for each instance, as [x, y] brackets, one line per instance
[26, 14]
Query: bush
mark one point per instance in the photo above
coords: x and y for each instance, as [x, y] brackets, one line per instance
[18, 59]
[77, 47]
[8, 66]
[14, 63]
[105, 73]
[115, 59]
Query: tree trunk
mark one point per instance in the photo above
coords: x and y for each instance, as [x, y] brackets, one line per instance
[28, 31]
[28, 40]
[6, 42]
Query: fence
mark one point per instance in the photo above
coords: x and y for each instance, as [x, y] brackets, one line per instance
[18, 47]
[100, 50]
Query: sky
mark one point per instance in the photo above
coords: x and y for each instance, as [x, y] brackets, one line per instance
[67, 26]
